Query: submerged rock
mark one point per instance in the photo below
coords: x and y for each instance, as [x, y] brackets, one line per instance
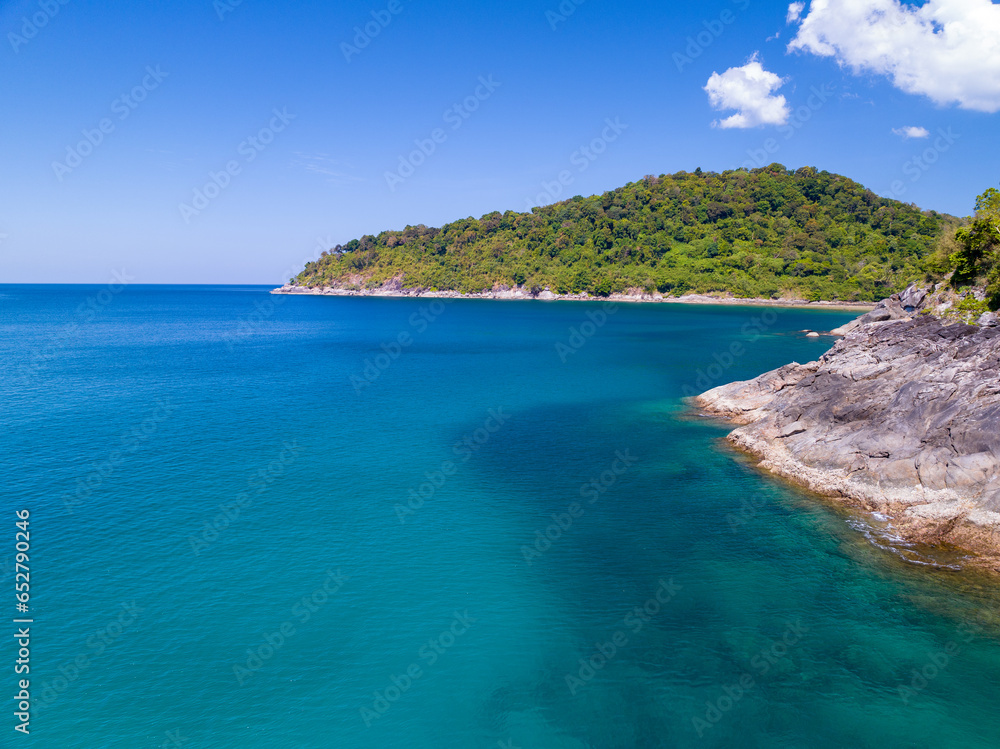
[902, 416]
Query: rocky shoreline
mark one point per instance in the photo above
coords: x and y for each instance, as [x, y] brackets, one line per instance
[523, 293]
[901, 417]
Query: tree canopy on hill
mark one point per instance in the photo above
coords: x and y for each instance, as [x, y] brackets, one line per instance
[761, 233]
[977, 259]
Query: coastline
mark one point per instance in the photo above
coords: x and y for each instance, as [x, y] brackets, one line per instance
[519, 294]
[915, 516]
[898, 419]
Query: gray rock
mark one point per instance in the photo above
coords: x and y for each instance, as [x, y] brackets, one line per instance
[792, 429]
[901, 414]
[879, 314]
[902, 306]
[988, 320]
[912, 298]
[845, 329]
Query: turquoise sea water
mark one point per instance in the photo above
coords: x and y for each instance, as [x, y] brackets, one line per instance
[234, 544]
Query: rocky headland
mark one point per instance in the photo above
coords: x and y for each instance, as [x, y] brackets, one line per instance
[901, 418]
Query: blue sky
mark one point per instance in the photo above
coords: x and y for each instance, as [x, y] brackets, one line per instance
[181, 87]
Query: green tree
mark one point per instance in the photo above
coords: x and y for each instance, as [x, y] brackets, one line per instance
[978, 257]
[760, 232]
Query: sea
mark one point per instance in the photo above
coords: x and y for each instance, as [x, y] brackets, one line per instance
[355, 522]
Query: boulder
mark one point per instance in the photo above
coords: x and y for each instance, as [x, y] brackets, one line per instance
[912, 298]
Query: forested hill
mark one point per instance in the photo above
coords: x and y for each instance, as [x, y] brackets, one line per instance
[764, 233]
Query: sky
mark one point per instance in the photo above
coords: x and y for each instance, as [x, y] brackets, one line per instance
[194, 141]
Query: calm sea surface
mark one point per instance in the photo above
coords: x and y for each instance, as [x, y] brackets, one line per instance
[266, 521]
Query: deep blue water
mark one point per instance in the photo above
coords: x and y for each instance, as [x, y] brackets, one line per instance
[229, 547]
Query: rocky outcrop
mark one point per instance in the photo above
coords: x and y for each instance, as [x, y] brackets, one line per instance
[394, 288]
[897, 307]
[901, 417]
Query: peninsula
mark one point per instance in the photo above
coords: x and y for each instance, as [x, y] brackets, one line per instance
[768, 234]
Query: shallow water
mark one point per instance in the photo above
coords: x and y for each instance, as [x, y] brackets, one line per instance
[449, 620]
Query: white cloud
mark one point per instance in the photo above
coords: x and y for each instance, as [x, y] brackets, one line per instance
[911, 132]
[750, 91]
[947, 50]
[795, 12]
[326, 165]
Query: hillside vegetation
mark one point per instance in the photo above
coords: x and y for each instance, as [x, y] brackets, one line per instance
[975, 256]
[768, 233]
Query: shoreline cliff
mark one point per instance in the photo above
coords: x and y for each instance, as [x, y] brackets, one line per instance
[901, 417]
